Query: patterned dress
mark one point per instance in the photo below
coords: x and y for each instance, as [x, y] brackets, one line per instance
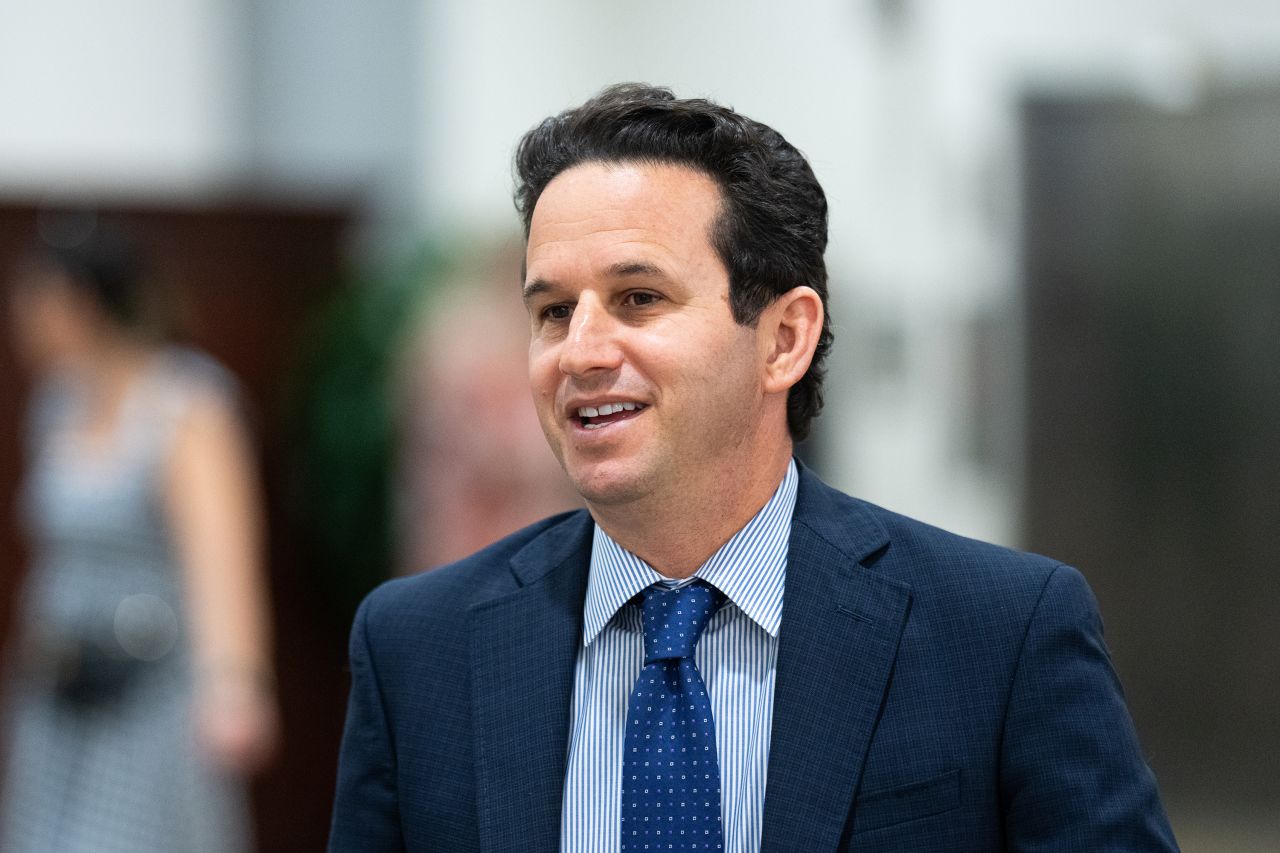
[100, 750]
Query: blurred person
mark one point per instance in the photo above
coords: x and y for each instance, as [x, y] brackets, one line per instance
[473, 465]
[632, 676]
[142, 692]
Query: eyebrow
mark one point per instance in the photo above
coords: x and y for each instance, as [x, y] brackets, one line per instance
[622, 269]
[625, 269]
[533, 288]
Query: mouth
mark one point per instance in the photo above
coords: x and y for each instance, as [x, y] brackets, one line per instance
[599, 417]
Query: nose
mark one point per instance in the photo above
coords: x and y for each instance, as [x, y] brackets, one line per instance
[591, 344]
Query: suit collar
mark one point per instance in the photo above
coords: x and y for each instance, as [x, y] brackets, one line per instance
[561, 542]
[843, 522]
[841, 624]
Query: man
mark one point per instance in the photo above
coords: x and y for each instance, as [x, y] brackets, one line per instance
[633, 677]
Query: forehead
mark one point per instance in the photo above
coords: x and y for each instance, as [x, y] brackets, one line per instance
[606, 210]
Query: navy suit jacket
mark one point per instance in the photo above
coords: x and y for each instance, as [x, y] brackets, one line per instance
[933, 694]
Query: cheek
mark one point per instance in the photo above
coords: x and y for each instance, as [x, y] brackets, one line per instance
[544, 376]
[711, 358]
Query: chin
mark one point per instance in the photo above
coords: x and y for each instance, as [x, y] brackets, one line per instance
[608, 485]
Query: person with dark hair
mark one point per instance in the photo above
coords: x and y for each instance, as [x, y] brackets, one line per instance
[720, 652]
[141, 691]
[771, 232]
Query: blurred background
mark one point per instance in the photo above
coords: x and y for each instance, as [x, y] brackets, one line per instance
[1055, 261]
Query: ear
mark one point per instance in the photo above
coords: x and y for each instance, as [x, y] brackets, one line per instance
[788, 332]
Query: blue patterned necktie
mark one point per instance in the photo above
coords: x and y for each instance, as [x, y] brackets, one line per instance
[670, 770]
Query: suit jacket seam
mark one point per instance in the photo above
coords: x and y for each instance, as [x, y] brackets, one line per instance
[1017, 670]
[363, 626]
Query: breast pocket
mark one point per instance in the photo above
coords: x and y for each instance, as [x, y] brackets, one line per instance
[901, 803]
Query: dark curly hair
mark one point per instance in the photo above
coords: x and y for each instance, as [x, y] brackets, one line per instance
[772, 230]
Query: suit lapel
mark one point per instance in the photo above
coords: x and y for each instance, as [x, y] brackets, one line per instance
[841, 623]
[523, 649]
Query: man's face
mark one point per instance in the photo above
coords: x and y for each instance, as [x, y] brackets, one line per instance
[645, 385]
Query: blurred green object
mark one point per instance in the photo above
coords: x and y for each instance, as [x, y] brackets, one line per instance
[343, 416]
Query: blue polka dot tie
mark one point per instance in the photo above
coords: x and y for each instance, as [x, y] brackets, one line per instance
[670, 771]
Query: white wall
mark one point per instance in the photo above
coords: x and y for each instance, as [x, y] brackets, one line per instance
[127, 96]
[493, 68]
[335, 109]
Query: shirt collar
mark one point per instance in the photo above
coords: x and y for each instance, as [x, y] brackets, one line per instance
[749, 569]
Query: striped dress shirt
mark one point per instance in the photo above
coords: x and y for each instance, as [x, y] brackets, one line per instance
[737, 656]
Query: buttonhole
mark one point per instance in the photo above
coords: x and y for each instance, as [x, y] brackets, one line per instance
[853, 613]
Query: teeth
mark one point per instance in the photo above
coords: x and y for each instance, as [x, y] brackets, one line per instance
[607, 409]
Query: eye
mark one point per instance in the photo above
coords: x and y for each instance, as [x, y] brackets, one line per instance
[559, 311]
[641, 298]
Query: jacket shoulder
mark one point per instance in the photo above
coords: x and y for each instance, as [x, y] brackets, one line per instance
[939, 566]
[931, 550]
[450, 590]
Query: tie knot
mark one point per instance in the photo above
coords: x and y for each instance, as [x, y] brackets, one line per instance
[674, 618]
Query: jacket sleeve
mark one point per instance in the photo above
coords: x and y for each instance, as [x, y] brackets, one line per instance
[1072, 775]
[366, 811]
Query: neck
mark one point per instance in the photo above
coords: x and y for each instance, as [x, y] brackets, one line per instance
[677, 533]
[108, 367]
